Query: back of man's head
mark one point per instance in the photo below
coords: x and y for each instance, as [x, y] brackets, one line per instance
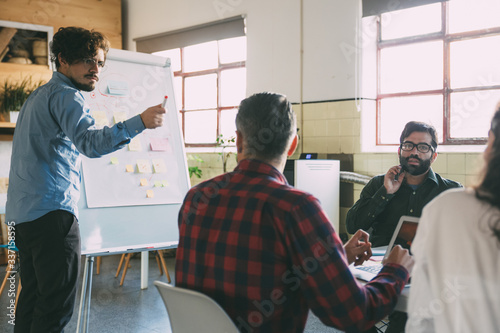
[74, 44]
[417, 126]
[267, 124]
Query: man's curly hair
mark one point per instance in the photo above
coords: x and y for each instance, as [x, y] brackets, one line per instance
[74, 44]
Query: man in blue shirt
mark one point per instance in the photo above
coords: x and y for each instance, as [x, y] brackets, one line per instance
[53, 129]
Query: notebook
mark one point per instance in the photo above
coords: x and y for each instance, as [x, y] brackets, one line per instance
[403, 235]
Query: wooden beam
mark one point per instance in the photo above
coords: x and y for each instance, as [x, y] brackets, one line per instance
[6, 35]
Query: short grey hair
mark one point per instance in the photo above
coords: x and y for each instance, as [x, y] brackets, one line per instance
[267, 123]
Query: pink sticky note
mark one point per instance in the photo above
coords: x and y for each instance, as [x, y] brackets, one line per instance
[159, 144]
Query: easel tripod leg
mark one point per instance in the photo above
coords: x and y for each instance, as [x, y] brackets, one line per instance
[84, 313]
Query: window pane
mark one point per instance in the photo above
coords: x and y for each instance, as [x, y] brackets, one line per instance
[175, 58]
[200, 57]
[471, 112]
[200, 92]
[200, 126]
[468, 15]
[233, 49]
[178, 92]
[233, 86]
[414, 67]
[411, 22]
[227, 123]
[396, 112]
[474, 62]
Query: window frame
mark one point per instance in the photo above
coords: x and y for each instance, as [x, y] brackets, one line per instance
[218, 70]
[446, 90]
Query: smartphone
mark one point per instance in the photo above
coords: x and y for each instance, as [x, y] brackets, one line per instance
[403, 169]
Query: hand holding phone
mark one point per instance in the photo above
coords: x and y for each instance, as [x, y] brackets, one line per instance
[403, 169]
[392, 179]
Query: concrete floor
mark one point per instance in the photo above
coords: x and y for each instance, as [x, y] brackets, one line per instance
[127, 308]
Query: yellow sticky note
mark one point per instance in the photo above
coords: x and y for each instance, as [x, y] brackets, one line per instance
[159, 165]
[143, 166]
[158, 183]
[150, 194]
[135, 144]
[119, 116]
[129, 168]
[100, 118]
[114, 160]
[144, 182]
[164, 183]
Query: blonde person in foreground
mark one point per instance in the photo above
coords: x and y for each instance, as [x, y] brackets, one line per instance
[455, 282]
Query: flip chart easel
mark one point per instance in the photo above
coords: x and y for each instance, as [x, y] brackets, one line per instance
[117, 214]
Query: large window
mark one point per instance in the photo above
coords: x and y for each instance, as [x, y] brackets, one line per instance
[439, 63]
[208, 62]
[209, 82]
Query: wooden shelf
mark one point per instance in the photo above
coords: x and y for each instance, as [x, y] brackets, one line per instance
[20, 67]
[19, 71]
[4, 124]
[6, 131]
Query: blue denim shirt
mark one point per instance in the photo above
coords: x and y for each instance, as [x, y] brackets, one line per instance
[53, 128]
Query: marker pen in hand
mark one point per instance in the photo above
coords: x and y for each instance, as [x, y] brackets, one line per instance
[164, 105]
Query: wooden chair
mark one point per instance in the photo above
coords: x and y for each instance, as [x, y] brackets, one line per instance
[98, 265]
[127, 256]
[8, 272]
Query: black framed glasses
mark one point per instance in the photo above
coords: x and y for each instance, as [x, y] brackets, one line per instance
[90, 63]
[421, 147]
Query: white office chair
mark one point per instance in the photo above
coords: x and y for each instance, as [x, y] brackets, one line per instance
[191, 311]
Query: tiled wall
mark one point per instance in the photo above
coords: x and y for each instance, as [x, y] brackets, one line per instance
[334, 127]
[211, 165]
[331, 127]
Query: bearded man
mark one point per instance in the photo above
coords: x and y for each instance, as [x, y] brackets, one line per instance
[404, 190]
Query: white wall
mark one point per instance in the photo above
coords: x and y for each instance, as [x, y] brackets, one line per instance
[5, 153]
[273, 40]
[273, 30]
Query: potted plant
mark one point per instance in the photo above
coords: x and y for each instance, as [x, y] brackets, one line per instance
[225, 143]
[195, 170]
[13, 95]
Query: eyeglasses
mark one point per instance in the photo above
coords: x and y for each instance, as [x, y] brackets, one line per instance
[421, 147]
[90, 63]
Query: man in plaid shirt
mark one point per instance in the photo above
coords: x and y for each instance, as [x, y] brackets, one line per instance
[266, 251]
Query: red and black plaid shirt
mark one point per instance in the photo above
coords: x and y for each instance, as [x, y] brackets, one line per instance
[267, 253]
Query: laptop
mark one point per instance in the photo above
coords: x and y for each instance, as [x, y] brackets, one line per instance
[403, 235]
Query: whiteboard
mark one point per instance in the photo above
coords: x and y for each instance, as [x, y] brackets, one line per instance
[130, 199]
